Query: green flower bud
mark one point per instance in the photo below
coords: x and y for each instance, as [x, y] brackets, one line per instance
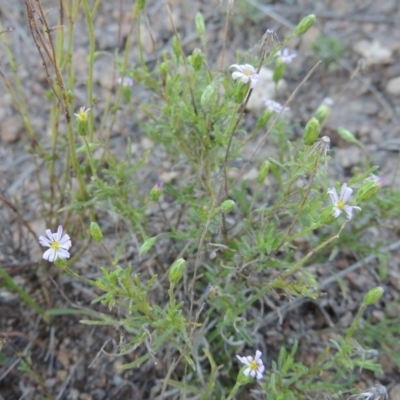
[96, 232]
[304, 25]
[240, 92]
[156, 192]
[263, 172]
[279, 70]
[164, 67]
[373, 296]
[176, 271]
[200, 26]
[60, 263]
[196, 59]
[242, 379]
[324, 110]
[208, 96]
[82, 121]
[227, 206]
[327, 216]
[349, 137]
[311, 132]
[368, 190]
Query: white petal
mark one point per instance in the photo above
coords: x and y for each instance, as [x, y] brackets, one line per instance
[258, 355]
[247, 371]
[63, 254]
[243, 360]
[236, 75]
[337, 211]
[259, 375]
[334, 197]
[49, 234]
[237, 66]
[49, 255]
[59, 233]
[65, 241]
[245, 78]
[44, 241]
[345, 193]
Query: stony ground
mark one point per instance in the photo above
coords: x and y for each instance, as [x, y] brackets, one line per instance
[366, 88]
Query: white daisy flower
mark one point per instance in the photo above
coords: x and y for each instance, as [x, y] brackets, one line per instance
[255, 367]
[83, 113]
[125, 81]
[286, 55]
[58, 246]
[246, 73]
[340, 203]
[275, 107]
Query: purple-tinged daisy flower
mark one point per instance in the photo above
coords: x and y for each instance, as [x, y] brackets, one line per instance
[275, 107]
[340, 203]
[286, 55]
[125, 81]
[58, 245]
[246, 73]
[255, 367]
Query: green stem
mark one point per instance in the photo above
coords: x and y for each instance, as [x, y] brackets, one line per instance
[234, 390]
[89, 21]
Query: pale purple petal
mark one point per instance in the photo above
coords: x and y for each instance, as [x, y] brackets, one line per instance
[44, 241]
[336, 211]
[237, 66]
[345, 193]
[49, 255]
[258, 355]
[333, 194]
[63, 254]
[58, 235]
[49, 234]
[245, 78]
[236, 75]
[65, 241]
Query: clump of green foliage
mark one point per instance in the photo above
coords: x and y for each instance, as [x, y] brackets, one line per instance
[223, 246]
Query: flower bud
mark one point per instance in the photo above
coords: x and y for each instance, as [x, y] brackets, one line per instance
[324, 110]
[373, 296]
[156, 191]
[196, 59]
[200, 26]
[227, 206]
[327, 216]
[176, 271]
[368, 190]
[311, 132]
[208, 96]
[60, 263]
[349, 137]
[279, 70]
[304, 25]
[96, 232]
[82, 121]
[263, 172]
[240, 92]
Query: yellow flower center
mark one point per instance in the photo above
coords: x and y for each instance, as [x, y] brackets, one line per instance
[253, 366]
[341, 205]
[55, 246]
[82, 116]
[247, 72]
